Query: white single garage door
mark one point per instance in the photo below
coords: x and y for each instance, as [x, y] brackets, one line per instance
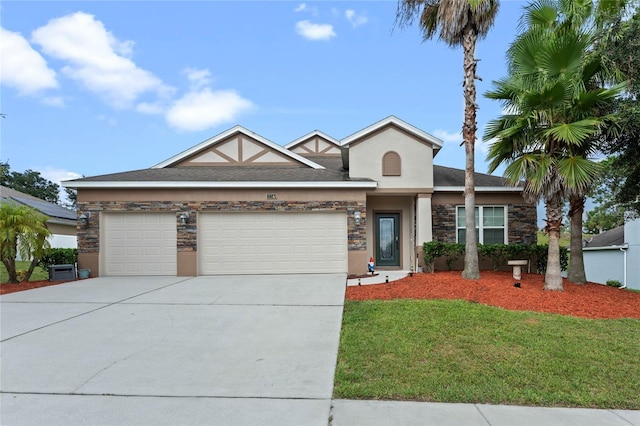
[272, 242]
[138, 244]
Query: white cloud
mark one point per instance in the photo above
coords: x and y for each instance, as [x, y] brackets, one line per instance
[313, 31]
[356, 20]
[199, 78]
[109, 120]
[23, 68]
[54, 101]
[57, 175]
[448, 137]
[97, 59]
[151, 108]
[204, 109]
[303, 7]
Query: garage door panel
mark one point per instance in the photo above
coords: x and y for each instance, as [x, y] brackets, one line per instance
[139, 244]
[272, 242]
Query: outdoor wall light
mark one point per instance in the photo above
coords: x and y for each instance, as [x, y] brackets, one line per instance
[83, 219]
[183, 218]
[357, 217]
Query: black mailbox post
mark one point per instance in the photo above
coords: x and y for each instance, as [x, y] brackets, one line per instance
[62, 272]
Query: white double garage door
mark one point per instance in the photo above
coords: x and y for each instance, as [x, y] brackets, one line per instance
[228, 243]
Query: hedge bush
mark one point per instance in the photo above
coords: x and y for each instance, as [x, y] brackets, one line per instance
[58, 256]
[498, 254]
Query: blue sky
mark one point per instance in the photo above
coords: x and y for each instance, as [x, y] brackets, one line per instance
[91, 88]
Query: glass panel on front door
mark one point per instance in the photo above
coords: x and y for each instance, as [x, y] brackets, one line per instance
[387, 239]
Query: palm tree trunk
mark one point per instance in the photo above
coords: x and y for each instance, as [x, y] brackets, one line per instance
[471, 267]
[577, 274]
[10, 265]
[553, 276]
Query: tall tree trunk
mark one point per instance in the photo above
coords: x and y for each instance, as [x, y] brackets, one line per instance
[471, 267]
[576, 259]
[553, 276]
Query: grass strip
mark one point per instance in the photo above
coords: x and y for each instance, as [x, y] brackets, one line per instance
[458, 351]
[38, 274]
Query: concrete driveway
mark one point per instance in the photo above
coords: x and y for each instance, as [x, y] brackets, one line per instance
[172, 350]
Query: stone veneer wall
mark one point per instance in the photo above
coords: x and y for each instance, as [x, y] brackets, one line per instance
[89, 235]
[521, 220]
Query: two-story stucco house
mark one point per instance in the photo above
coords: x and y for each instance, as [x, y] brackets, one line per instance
[240, 204]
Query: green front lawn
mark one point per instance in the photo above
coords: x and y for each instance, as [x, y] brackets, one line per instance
[457, 351]
[38, 274]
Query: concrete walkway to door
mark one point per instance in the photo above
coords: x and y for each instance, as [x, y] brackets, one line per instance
[172, 350]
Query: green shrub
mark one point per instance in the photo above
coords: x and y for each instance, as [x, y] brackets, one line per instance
[499, 254]
[58, 256]
[614, 283]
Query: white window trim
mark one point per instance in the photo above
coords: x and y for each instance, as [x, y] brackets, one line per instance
[480, 227]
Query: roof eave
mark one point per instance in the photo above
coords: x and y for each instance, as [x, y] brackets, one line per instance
[437, 143]
[624, 246]
[479, 189]
[210, 184]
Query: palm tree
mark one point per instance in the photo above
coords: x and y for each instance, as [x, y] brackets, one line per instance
[459, 23]
[552, 115]
[23, 231]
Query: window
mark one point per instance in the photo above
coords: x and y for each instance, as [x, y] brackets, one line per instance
[491, 222]
[391, 164]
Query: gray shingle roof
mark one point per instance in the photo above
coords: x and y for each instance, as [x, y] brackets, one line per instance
[228, 174]
[448, 176]
[612, 237]
[443, 176]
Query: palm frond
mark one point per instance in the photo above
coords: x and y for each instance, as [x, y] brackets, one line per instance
[540, 13]
[578, 173]
[573, 133]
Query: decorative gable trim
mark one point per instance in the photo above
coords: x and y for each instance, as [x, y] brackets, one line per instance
[260, 150]
[392, 120]
[315, 143]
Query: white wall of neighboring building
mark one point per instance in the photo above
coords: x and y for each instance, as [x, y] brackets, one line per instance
[632, 238]
[602, 264]
[63, 241]
[621, 263]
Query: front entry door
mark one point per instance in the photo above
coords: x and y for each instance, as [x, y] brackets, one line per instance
[387, 239]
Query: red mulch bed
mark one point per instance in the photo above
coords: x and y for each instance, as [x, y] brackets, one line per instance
[6, 288]
[595, 301]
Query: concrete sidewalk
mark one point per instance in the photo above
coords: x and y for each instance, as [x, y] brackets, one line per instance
[385, 413]
[380, 278]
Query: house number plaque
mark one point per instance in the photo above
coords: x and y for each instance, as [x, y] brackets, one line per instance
[272, 197]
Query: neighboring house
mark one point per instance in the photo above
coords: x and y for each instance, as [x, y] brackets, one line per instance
[614, 255]
[240, 204]
[61, 222]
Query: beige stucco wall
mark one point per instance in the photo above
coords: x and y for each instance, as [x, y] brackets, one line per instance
[365, 159]
[392, 204]
[59, 229]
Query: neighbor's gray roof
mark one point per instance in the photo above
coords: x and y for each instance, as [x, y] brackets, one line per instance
[612, 237]
[448, 176]
[52, 210]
